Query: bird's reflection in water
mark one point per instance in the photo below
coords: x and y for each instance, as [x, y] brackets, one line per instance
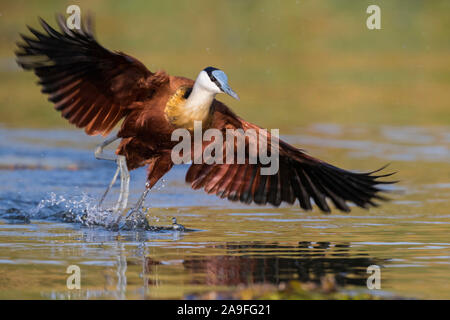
[230, 264]
[255, 263]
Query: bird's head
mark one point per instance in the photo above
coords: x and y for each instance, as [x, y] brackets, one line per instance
[215, 81]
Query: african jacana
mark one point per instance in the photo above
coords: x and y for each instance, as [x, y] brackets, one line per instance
[94, 88]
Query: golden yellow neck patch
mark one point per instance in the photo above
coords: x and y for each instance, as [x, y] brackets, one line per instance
[180, 116]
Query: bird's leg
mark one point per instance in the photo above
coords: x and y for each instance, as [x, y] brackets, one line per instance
[158, 166]
[102, 156]
[141, 219]
[109, 187]
[121, 204]
[99, 150]
[138, 205]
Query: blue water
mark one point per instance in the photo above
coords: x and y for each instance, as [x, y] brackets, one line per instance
[50, 184]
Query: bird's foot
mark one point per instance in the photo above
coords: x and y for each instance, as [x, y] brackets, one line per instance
[176, 226]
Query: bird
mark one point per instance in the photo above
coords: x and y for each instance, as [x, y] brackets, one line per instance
[95, 88]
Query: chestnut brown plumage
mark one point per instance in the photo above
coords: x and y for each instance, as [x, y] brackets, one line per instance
[94, 88]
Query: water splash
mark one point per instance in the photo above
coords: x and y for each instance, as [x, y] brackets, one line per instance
[81, 208]
[84, 209]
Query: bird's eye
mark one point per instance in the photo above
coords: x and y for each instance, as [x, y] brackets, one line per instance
[214, 80]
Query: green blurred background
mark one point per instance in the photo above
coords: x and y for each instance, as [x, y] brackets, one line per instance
[291, 62]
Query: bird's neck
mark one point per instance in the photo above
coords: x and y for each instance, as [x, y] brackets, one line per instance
[200, 99]
[182, 112]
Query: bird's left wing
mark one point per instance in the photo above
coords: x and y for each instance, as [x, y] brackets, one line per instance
[299, 177]
[90, 85]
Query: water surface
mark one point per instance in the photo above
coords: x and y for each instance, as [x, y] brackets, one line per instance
[49, 178]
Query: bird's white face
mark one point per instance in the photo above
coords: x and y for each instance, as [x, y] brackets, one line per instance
[215, 81]
[206, 83]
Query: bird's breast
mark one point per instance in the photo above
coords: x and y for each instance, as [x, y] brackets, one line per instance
[180, 116]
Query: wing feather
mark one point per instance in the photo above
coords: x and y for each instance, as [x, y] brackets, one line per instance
[90, 85]
[300, 176]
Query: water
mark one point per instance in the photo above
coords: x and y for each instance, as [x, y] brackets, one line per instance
[50, 179]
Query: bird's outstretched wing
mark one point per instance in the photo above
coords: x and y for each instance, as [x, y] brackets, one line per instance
[299, 176]
[91, 86]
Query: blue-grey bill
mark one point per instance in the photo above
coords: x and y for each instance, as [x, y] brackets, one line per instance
[222, 78]
[230, 92]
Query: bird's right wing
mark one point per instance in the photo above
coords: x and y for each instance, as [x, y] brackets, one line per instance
[92, 86]
[299, 177]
